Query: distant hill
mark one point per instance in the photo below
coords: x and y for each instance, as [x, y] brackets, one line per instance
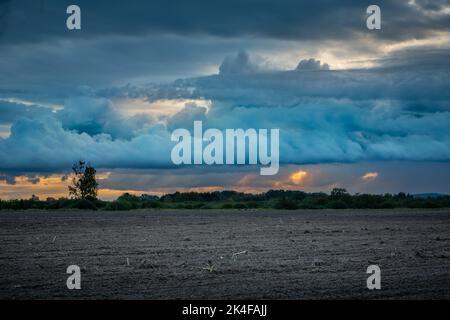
[429, 195]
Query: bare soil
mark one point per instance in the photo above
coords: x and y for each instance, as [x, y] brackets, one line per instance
[305, 254]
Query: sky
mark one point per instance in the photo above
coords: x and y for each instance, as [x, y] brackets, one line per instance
[367, 110]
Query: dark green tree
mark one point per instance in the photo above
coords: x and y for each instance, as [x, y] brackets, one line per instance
[339, 193]
[84, 184]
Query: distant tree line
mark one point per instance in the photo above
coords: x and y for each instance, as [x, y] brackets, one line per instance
[272, 199]
[84, 188]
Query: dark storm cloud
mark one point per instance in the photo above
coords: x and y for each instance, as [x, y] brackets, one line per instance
[56, 69]
[324, 116]
[423, 58]
[417, 77]
[12, 111]
[29, 20]
[159, 41]
[238, 64]
[312, 64]
[432, 5]
[4, 13]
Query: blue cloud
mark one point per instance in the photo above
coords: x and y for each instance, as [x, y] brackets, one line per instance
[311, 64]
[390, 113]
[288, 19]
[238, 64]
[43, 145]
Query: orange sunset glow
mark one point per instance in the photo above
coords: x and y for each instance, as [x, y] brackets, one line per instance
[298, 176]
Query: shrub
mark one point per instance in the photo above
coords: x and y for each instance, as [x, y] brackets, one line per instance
[129, 198]
[386, 205]
[199, 205]
[227, 206]
[84, 204]
[119, 205]
[239, 206]
[337, 204]
[252, 205]
[286, 204]
[431, 204]
[152, 204]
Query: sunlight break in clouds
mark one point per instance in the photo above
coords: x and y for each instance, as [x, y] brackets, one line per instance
[158, 108]
[51, 186]
[370, 176]
[298, 176]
